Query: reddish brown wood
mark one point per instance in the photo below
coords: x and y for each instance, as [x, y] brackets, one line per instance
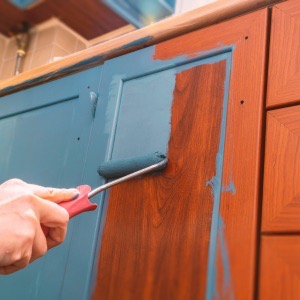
[284, 67]
[90, 18]
[141, 260]
[280, 268]
[281, 209]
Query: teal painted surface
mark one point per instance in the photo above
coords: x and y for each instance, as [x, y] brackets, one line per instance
[216, 185]
[44, 138]
[136, 101]
[143, 12]
[22, 4]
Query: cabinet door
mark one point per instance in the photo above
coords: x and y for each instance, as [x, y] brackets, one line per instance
[190, 232]
[284, 67]
[281, 210]
[279, 268]
[44, 136]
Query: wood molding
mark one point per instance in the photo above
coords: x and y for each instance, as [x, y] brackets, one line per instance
[150, 35]
[284, 72]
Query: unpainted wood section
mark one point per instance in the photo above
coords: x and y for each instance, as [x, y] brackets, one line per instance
[279, 276]
[284, 67]
[90, 18]
[281, 209]
[248, 36]
[242, 158]
[157, 229]
[150, 35]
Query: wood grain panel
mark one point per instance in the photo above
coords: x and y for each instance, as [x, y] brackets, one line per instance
[284, 67]
[156, 238]
[279, 276]
[281, 201]
[90, 18]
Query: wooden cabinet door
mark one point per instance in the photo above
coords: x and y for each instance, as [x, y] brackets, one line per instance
[281, 209]
[44, 136]
[279, 268]
[284, 67]
[189, 233]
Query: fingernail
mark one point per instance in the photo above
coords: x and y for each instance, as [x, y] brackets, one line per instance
[76, 194]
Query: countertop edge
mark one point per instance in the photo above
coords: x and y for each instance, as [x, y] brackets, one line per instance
[138, 39]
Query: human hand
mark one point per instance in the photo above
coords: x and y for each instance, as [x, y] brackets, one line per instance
[23, 208]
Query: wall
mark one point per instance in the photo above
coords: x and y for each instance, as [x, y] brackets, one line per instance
[49, 41]
[186, 5]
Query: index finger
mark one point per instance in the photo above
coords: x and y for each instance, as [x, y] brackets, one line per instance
[53, 194]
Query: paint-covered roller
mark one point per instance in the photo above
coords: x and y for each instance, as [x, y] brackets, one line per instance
[122, 167]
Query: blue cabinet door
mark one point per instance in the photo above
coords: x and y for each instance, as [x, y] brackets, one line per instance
[44, 138]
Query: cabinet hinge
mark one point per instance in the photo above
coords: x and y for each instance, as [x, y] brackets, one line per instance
[94, 99]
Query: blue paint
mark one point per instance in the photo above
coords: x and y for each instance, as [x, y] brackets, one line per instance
[143, 12]
[22, 4]
[229, 188]
[57, 113]
[227, 289]
[150, 98]
[216, 185]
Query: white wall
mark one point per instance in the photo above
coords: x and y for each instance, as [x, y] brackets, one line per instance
[185, 5]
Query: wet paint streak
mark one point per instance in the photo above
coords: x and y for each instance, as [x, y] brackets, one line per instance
[229, 188]
[216, 185]
[227, 288]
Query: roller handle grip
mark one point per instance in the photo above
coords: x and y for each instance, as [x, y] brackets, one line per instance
[75, 207]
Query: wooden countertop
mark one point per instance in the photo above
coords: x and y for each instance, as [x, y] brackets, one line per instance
[150, 35]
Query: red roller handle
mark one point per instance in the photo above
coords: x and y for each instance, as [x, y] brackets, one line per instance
[75, 207]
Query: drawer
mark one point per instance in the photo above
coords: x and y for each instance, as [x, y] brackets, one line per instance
[284, 67]
[281, 197]
[279, 268]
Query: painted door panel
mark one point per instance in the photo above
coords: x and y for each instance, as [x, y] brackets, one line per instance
[284, 72]
[281, 212]
[44, 136]
[189, 233]
[279, 267]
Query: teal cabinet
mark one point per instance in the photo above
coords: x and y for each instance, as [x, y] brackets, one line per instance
[45, 133]
[143, 12]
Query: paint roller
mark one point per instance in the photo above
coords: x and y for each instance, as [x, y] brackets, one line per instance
[123, 169]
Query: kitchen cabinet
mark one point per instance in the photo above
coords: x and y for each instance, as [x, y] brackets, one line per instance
[279, 259]
[190, 232]
[45, 133]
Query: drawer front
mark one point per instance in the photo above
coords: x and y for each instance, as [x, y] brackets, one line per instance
[280, 268]
[284, 67]
[281, 201]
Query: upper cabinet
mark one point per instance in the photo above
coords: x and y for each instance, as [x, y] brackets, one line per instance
[189, 232]
[143, 12]
[284, 67]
